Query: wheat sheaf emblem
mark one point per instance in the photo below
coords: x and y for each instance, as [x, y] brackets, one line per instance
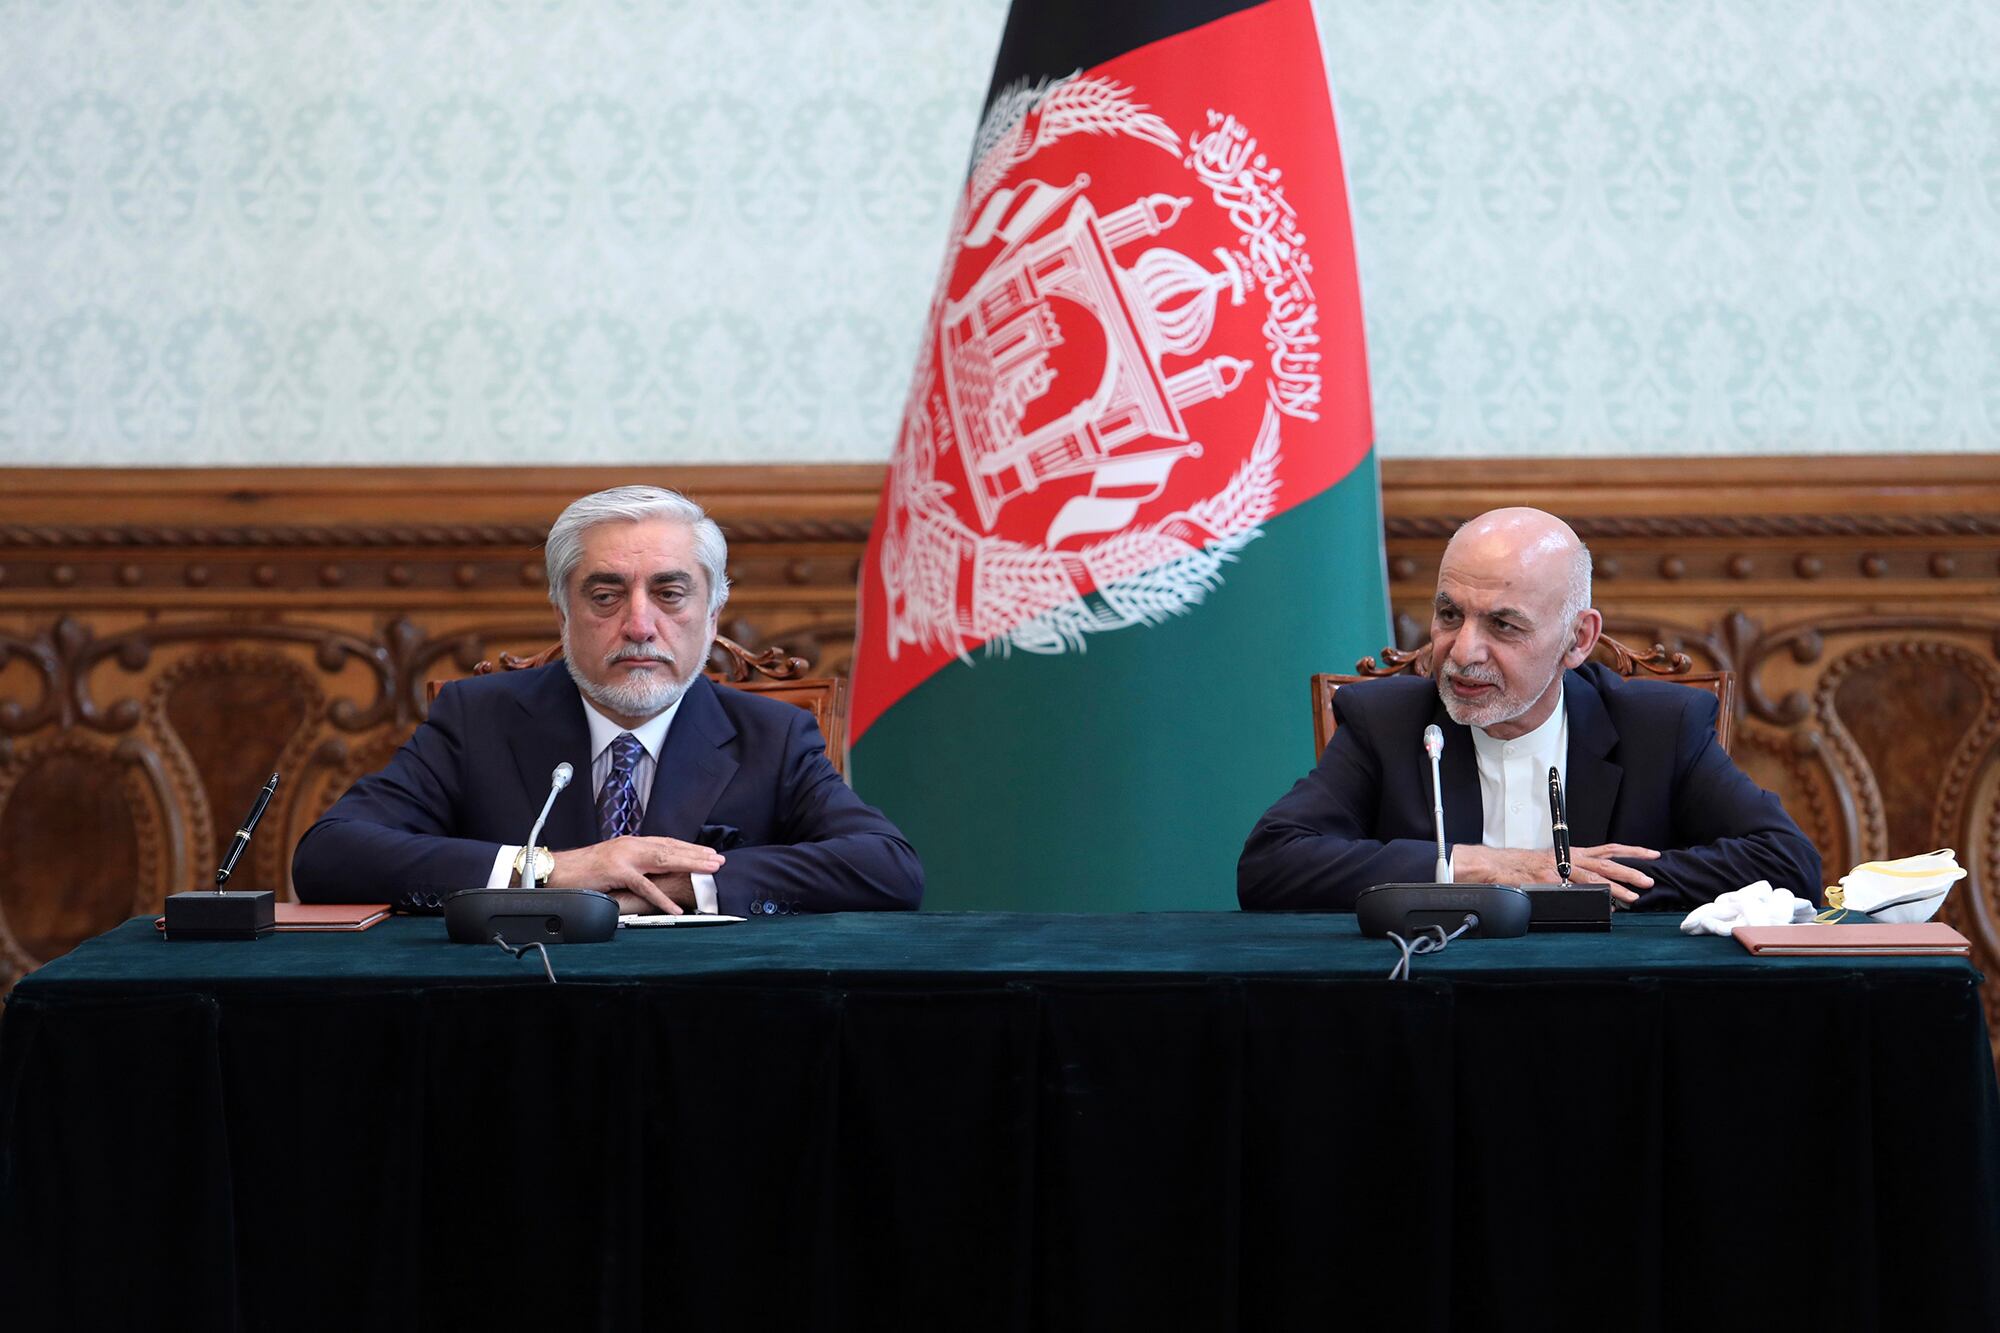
[953, 583]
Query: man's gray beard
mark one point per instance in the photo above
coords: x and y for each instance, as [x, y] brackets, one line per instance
[1502, 710]
[644, 697]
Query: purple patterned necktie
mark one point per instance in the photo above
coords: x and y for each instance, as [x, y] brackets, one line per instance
[618, 803]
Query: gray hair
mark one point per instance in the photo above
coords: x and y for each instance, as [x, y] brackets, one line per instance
[633, 504]
[1576, 597]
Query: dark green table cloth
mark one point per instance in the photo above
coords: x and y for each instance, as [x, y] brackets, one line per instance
[1200, 1120]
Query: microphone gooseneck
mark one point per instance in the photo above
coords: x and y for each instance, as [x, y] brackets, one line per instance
[557, 781]
[1434, 747]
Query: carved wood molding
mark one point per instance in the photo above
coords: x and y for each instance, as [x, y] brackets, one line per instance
[121, 538]
[1636, 488]
[15, 535]
[432, 499]
[1705, 527]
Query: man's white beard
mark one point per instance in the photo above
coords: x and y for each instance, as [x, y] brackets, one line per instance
[1497, 710]
[644, 695]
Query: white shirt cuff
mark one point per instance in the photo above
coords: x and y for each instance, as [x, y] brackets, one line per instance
[704, 893]
[502, 873]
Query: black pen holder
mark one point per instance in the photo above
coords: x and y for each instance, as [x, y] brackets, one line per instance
[233, 914]
[1568, 906]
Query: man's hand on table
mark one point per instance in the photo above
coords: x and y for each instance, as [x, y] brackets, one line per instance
[645, 875]
[677, 888]
[1472, 864]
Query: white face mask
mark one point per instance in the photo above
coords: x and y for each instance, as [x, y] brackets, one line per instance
[1906, 890]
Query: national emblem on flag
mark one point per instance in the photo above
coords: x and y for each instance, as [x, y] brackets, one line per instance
[1133, 504]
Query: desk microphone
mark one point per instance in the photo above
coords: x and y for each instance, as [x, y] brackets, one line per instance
[557, 781]
[1496, 910]
[1434, 747]
[527, 916]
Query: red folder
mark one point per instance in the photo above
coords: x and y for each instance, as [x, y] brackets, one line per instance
[1887, 939]
[329, 916]
[318, 916]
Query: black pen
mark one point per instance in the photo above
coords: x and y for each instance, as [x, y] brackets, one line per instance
[242, 838]
[1560, 821]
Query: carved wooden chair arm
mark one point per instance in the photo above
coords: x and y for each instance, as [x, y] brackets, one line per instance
[1417, 661]
[739, 664]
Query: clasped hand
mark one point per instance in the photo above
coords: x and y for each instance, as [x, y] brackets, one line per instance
[642, 874]
[1472, 864]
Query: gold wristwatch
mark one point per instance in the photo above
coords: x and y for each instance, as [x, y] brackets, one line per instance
[545, 864]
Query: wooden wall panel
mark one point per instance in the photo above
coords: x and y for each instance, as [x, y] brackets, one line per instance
[168, 637]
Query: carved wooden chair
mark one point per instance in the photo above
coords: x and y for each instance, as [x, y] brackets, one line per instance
[1676, 667]
[773, 673]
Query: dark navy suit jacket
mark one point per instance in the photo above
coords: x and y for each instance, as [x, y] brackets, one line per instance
[1644, 768]
[743, 774]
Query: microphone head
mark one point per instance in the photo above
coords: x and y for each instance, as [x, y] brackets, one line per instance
[560, 778]
[1433, 740]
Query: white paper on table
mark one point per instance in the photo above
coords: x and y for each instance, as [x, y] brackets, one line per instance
[684, 919]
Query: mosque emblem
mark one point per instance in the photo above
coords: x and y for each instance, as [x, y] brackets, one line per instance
[1094, 426]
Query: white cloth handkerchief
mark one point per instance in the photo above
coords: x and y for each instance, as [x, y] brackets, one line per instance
[1911, 888]
[1752, 905]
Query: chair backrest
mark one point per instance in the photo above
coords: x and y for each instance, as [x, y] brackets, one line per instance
[1676, 667]
[772, 672]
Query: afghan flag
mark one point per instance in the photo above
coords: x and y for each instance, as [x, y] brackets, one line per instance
[1134, 504]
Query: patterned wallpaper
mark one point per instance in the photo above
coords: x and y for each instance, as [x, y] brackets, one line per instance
[466, 231]
[1676, 226]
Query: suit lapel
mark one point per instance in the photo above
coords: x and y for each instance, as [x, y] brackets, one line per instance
[693, 768]
[553, 731]
[1590, 790]
[1458, 774]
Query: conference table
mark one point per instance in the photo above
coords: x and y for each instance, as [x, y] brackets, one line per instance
[971, 1121]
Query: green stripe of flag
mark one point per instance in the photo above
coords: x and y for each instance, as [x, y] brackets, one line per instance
[1125, 777]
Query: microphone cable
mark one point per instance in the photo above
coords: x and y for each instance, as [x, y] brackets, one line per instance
[518, 949]
[1431, 939]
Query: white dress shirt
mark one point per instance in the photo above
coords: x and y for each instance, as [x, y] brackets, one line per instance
[1514, 782]
[651, 735]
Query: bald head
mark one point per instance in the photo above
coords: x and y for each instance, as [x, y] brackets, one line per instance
[1512, 610]
[1545, 550]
